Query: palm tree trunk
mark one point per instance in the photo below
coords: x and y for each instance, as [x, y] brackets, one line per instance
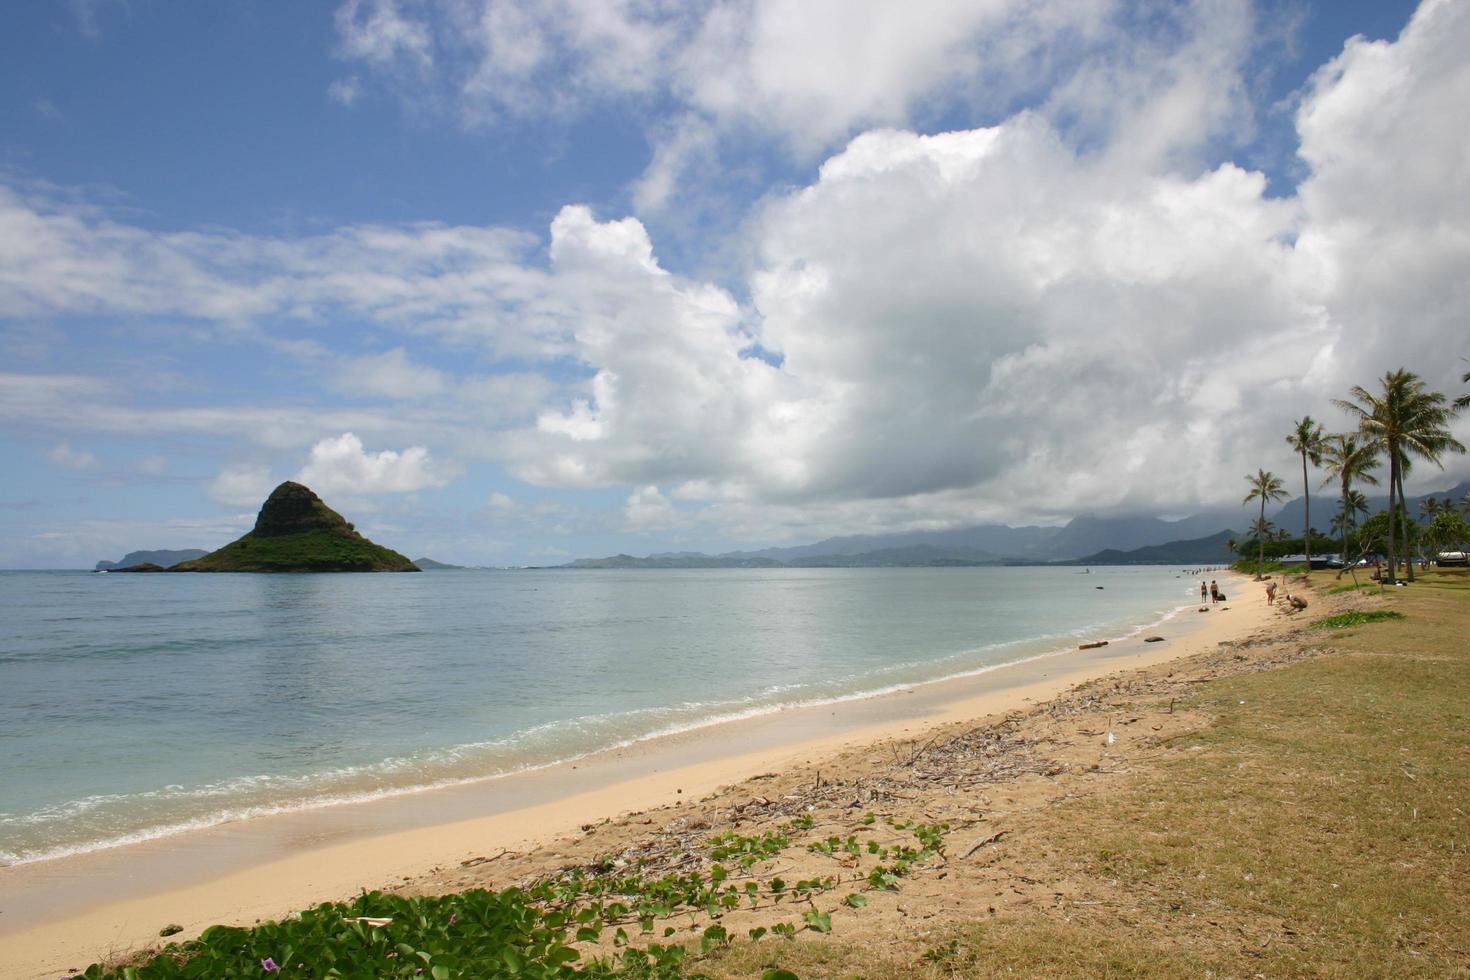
[1408, 549]
[1393, 472]
[1346, 520]
[1307, 518]
[1261, 537]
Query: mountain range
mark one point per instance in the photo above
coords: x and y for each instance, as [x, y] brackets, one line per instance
[1200, 538]
[162, 558]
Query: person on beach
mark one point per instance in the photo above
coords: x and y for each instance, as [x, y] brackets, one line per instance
[1271, 592]
[1214, 591]
[1203, 591]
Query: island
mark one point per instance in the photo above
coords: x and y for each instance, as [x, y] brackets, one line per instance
[296, 531]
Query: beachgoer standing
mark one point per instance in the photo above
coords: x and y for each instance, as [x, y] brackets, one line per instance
[1214, 591]
[1203, 591]
[1271, 592]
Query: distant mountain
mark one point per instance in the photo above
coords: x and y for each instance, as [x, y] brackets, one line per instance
[995, 543]
[1325, 503]
[981, 544]
[685, 560]
[1198, 539]
[1199, 551]
[430, 565]
[162, 558]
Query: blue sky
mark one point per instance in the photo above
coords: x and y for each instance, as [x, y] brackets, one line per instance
[513, 282]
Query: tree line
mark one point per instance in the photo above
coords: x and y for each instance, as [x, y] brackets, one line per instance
[1400, 423]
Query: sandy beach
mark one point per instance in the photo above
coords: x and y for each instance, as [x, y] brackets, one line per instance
[61, 915]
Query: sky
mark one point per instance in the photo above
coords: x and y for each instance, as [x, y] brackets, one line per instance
[513, 282]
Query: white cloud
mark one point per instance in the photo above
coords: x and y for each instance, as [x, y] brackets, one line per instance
[378, 32]
[963, 314]
[341, 466]
[501, 501]
[72, 459]
[344, 91]
[60, 258]
[649, 510]
[242, 485]
[804, 75]
[388, 375]
[1015, 322]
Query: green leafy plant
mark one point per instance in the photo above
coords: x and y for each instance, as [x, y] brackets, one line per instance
[1356, 619]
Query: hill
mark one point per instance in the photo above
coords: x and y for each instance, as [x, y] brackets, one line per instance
[1325, 504]
[162, 558]
[430, 565]
[1198, 551]
[296, 532]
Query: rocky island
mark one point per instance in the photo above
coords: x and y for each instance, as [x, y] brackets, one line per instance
[296, 532]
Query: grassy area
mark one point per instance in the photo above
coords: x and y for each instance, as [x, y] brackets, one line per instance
[1319, 827]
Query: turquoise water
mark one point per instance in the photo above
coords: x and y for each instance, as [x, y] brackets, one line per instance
[135, 706]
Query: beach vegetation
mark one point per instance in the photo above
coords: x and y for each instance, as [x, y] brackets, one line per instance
[584, 921]
[1356, 618]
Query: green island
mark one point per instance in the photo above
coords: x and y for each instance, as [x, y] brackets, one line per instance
[297, 532]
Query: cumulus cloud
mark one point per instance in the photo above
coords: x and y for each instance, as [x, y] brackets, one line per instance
[964, 314]
[649, 510]
[341, 465]
[242, 485]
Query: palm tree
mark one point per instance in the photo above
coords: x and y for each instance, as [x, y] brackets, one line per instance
[1265, 486]
[1406, 420]
[1345, 522]
[1262, 530]
[1306, 438]
[1464, 400]
[1349, 458]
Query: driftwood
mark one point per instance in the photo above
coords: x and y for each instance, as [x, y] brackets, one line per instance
[984, 841]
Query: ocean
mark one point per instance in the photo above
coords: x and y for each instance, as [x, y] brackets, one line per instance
[137, 706]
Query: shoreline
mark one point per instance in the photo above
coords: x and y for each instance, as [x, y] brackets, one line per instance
[692, 729]
[68, 912]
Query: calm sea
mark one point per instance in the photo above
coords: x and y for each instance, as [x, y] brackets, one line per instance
[134, 706]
